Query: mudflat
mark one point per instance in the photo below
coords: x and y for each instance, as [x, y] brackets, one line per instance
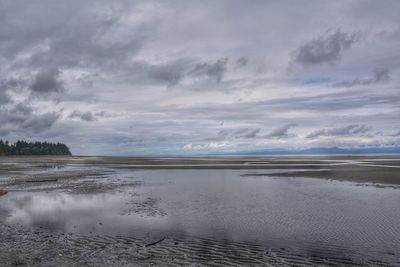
[380, 169]
[212, 211]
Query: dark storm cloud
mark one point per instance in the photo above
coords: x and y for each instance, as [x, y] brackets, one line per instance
[353, 129]
[47, 81]
[378, 75]
[327, 48]
[85, 116]
[282, 131]
[214, 71]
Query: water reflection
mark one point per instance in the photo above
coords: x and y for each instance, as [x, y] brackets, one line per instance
[317, 216]
[101, 213]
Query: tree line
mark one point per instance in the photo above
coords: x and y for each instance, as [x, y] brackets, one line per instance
[32, 148]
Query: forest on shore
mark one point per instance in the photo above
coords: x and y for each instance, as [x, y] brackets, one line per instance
[32, 148]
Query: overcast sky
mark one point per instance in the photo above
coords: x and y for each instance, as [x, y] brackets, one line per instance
[168, 77]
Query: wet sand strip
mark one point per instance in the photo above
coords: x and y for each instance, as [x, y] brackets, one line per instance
[40, 247]
[358, 174]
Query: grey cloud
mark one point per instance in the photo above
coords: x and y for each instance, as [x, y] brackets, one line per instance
[327, 48]
[214, 70]
[242, 62]
[86, 80]
[102, 114]
[12, 84]
[85, 116]
[282, 131]
[51, 37]
[331, 101]
[4, 98]
[22, 109]
[105, 114]
[378, 75]
[21, 118]
[242, 133]
[46, 82]
[171, 73]
[391, 35]
[169, 76]
[247, 133]
[40, 123]
[7, 85]
[222, 135]
[353, 129]
[11, 118]
[396, 134]
[8, 119]
[88, 40]
[88, 48]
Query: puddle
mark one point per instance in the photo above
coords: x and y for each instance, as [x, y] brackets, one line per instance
[109, 213]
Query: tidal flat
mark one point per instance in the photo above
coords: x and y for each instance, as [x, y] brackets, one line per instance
[200, 211]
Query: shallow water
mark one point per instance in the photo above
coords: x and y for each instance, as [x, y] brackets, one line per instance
[314, 216]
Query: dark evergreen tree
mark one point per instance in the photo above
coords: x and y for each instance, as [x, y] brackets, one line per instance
[36, 148]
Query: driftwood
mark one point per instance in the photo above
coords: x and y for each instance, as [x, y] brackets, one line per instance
[3, 192]
[41, 180]
[155, 243]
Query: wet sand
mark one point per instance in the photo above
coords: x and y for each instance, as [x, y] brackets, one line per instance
[378, 175]
[245, 211]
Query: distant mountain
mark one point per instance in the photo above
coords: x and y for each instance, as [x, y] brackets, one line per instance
[318, 151]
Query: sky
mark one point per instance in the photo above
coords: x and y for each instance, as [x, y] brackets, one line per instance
[192, 77]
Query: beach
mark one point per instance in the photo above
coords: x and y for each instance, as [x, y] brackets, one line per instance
[201, 211]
